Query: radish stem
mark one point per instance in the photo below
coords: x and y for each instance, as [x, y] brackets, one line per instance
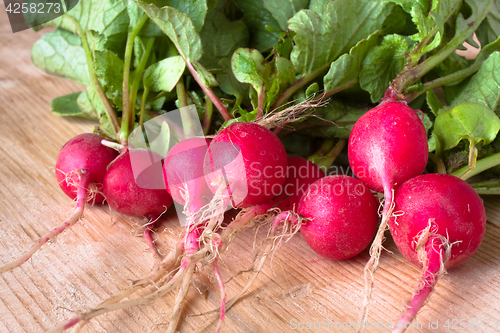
[127, 119]
[375, 251]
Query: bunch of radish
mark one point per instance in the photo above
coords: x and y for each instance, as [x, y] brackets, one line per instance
[440, 220]
[90, 172]
[436, 220]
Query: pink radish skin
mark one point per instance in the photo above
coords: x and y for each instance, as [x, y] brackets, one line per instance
[343, 215]
[83, 152]
[80, 169]
[262, 161]
[387, 146]
[183, 170]
[458, 219]
[126, 197]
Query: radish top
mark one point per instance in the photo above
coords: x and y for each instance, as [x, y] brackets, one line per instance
[457, 209]
[387, 146]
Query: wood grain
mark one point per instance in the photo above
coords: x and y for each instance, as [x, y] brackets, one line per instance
[102, 254]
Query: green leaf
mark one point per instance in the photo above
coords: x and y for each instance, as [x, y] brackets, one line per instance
[407, 5]
[381, 66]
[195, 9]
[220, 37]
[109, 69]
[134, 13]
[164, 75]
[178, 27]
[161, 144]
[85, 105]
[249, 66]
[484, 86]
[311, 90]
[318, 41]
[489, 30]
[108, 17]
[283, 10]
[430, 18]
[97, 41]
[60, 53]
[37, 18]
[469, 121]
[205, 76]
[285, 73]
[434, 102]
[257, 17]
[230, 85]
[345, 70]
[68, 105]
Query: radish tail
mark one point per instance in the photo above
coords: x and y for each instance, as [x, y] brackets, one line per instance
[222, 296]
[81, 198]
[287, 218]
[434, 261]
[375, 251]
[241, 223]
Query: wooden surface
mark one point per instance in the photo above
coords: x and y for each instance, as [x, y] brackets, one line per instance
[102, 254]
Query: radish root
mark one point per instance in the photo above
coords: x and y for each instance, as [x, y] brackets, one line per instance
[375, 252]
[75, 217]
[290, 224]
[433, 251]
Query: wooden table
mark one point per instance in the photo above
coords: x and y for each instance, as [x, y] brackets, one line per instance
[102, 253]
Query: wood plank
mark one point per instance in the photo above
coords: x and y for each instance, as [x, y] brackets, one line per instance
[101, 254]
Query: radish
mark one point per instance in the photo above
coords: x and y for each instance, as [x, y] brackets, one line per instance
[247, 157]
[343, 216]
[80, 169]
[123, 194]
[387, 146]
[441, 224]
[251, 159]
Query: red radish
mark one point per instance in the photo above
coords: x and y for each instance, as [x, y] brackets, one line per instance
[80, 169]
[441, 224]
[251, 159]
[134, 186]
[387, 146]
[343, 214]
[123, 193]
